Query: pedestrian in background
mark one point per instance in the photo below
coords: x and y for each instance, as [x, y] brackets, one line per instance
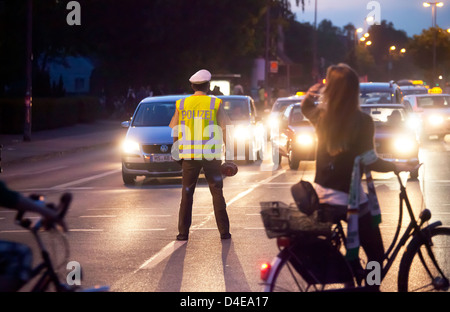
[199, 127]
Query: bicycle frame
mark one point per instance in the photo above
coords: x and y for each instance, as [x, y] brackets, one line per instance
[49, 275]
[413, 230]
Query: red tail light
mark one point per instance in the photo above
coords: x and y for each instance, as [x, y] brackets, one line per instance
[283, 242]
[265, 271]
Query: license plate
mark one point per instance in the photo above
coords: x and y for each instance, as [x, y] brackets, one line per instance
[161, 158]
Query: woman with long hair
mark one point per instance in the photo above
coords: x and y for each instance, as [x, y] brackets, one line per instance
[345, 147]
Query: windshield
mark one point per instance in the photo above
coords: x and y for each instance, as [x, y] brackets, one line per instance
[237, 109]
[433, 101]
[154, 114]
[297, 116]
[375, 97]
[383, 116]
[415, 91]
[279, 106]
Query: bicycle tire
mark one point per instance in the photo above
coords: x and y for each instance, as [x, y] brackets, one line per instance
[418, 279]
[286, 277]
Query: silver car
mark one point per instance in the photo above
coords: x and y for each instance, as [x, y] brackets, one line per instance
[248, 135]
[432, 112]
[146, 150]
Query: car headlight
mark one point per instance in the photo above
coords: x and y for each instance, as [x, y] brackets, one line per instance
[305, 139]
[413, 122]
[404, 144]
[436, 120]
[273, 122]
[241, 133]
[130, 147]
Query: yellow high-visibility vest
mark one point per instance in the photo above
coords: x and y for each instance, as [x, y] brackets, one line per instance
[199, 135]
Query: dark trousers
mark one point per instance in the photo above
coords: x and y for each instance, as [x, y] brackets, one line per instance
[369, 235]
[213, 175]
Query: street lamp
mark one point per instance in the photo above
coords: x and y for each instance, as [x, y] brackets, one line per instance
[433, 5]
[358, 30]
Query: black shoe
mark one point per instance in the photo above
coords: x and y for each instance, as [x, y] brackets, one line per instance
[225, 236]
[182, 237]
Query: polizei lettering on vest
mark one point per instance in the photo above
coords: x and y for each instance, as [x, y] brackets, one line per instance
[200, 114]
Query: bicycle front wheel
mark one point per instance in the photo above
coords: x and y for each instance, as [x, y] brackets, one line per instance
[418, 272]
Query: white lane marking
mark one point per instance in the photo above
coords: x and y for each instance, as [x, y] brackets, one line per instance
[86, 230]
[37, 171]
[161, 255]
[53, 188]
[79, 181]
[174, 245]
[98, 216]
[144, 230]
[14, 231]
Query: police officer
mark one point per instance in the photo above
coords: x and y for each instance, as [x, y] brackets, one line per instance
[199, 127]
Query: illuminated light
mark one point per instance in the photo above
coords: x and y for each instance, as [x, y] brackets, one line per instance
[241, 133]
[369, 43]
[435, 90]
[324, 81]
[305, 139]
[363, 39]
[440, 4]
[130, 147]
[300, 93]
[265, 271]
[392, 48]
[417, 82]
[370, 19]
[360, 29]
[426, 4]
[366, 35]
[413, 122]
[273, 122]
[436, 120]
[403, 50]
[404, 144]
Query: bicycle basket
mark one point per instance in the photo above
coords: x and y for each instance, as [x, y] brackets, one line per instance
[280, 219]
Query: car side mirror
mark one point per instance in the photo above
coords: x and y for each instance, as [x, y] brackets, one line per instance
[125, 124]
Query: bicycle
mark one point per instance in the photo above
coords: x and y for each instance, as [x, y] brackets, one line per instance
[45, 272]
[313, 261]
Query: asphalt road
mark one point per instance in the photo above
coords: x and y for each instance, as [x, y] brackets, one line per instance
[124, 236]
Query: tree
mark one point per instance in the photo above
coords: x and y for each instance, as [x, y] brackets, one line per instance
[421, 48]
[383, 36]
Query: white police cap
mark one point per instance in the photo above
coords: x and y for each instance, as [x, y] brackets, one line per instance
[200, 77]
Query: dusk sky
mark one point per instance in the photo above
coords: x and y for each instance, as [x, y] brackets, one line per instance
[408, 15]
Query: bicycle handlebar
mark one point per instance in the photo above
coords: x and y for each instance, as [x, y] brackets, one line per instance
[65, 201]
